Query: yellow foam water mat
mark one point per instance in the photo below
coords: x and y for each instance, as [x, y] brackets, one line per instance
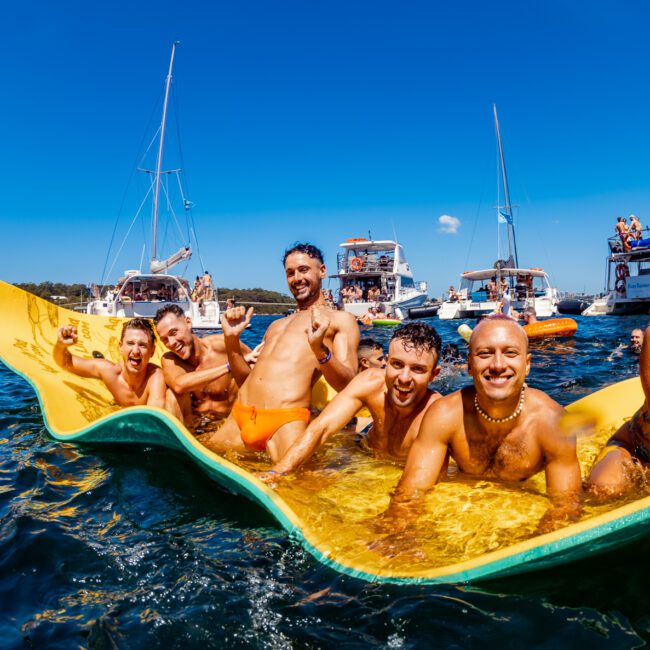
[470, 530]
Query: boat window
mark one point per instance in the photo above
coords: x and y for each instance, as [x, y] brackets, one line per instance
[407, 283]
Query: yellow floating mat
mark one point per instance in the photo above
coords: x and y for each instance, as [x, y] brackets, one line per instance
[471, 529]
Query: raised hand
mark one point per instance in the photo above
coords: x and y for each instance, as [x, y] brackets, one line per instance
[320, 323]
[67, 335]
[235, 320]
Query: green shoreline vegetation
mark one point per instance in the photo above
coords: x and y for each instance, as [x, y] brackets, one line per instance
[74, 295]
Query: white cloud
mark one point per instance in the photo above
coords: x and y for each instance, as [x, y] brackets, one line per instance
[448, 225]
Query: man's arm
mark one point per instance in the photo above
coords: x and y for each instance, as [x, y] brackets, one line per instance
[234, 322]
[157, 388]
[563, 480]
[89, 368]
[333, 418]
[341, 366]
[644, 364]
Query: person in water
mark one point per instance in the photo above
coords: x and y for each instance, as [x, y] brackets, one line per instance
[496, 429]
[529, 316]
[396, 397]
[627, 452]
[196, 369]
[370, 354]
[133, 381]
[636, 341]
[272, 408]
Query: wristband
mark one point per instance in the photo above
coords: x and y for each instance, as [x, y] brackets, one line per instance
[328, 356]
[227, 366]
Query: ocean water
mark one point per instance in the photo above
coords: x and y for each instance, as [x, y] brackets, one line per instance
[127, 547]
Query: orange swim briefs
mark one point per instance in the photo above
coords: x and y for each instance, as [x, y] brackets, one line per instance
[256, 426]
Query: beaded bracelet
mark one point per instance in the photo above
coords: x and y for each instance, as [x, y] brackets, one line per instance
[328, 356]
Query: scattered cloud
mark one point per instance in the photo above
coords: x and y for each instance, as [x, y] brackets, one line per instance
[448, 224]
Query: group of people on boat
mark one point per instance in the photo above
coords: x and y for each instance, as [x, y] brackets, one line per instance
[628, 232]
[496, 428]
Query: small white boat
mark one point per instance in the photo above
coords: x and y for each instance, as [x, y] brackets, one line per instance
[482, 292]
[375, 273]
[141, 294]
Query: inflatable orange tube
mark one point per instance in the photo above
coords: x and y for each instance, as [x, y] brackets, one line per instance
[553, 327]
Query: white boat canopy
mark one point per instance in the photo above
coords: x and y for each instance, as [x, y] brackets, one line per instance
[367, 245]
[486, 274]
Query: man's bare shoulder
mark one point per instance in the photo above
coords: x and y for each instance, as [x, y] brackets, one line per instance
[343, 319]
[169, 359]
[216, 342]
[543, 404]
[444, 412]
[369, 382]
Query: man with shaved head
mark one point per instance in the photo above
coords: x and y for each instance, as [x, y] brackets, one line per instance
[496, 429]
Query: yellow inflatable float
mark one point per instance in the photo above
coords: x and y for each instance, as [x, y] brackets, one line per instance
[329, 509]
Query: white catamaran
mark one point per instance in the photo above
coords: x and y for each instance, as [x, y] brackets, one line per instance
[142, 294]
[482, 292]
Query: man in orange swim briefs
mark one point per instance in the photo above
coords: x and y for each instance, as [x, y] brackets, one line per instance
[272, 408]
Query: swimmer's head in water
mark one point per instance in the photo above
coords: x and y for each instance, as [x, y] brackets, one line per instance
[636, 340]
[412, 363]
[370, 354]
[305, 272]
[175, 330]
[137, 344]
[498, 359]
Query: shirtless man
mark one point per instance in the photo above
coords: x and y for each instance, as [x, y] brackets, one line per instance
[133, 381]
[620, 463]
[623, 231]
[272, 409]
[497, 428]
[396, 397]
[529, 316]
[635, 227]
[196, 369]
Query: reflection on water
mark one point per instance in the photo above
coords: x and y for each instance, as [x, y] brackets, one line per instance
[132, 546]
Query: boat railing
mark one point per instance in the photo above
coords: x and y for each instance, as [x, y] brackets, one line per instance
[364, 264]
[616, 245]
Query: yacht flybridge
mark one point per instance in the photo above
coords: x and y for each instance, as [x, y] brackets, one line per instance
[483, 291]
[142, 294]
[374, 273]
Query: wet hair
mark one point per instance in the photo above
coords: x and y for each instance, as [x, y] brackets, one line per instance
[143, 324]
[369, 345]
[530, 310]
[418, 336]
[307, 249]
[168, 309]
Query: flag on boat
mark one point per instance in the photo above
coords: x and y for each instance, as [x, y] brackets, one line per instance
[505, 218]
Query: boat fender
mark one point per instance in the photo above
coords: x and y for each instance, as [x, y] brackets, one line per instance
[465, 331]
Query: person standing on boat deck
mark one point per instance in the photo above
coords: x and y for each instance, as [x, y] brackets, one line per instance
[621, 464]
[133, 381]
[196, 369]
[208, 287]
[396, 397]
[496, 429]
[635, 227]
[272, 408]
[623, 231]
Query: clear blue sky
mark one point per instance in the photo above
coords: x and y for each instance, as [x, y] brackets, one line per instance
[321, 120]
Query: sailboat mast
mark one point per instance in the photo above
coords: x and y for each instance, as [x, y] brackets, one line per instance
[156, 196]
[512, 241]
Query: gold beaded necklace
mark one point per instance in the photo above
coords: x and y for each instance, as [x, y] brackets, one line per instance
[512, 416]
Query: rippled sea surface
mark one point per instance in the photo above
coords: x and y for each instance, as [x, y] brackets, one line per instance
[126, 547]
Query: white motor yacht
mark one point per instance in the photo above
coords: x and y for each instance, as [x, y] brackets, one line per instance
[627, 281]
[374, 273]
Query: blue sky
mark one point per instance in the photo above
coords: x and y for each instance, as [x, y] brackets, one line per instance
[320, 121]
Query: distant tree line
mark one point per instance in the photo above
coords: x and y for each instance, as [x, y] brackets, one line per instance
[69, 294]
